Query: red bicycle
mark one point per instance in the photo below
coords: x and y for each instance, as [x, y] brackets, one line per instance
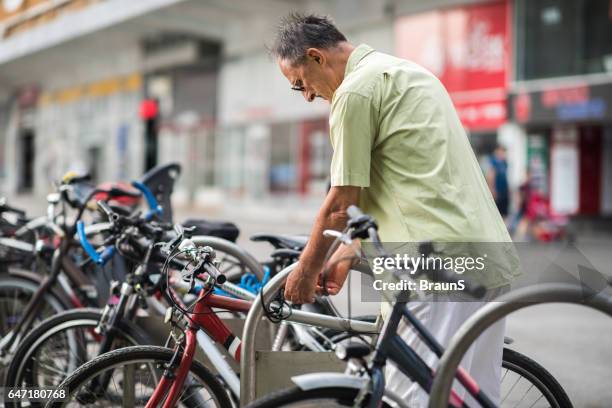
[166, 377]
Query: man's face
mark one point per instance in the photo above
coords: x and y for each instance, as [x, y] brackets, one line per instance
[500, 153]
[309, 77]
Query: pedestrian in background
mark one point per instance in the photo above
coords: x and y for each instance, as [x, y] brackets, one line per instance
[497, 178]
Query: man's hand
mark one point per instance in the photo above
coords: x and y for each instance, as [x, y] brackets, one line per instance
[302, 281]
[300, 285]
[337, 269]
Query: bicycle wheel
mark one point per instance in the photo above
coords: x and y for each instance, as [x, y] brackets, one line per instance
[233, 260]
[295, 397]
[59, 345]
[133, 374]
[15, 294]
[525, 383]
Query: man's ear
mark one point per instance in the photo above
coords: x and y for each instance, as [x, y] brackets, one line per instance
[316, 55]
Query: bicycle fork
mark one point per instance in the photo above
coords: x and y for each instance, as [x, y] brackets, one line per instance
[175, 372]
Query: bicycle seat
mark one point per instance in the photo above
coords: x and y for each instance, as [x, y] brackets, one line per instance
[221, 229]
[284, 253]
[73, 177]
[278, 241]
[118, 192]
[160, 180]
[352, 350]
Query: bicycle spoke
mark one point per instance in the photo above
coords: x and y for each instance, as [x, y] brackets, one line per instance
[536, 401]
[524, 395]
[504, 376]
[512, 388]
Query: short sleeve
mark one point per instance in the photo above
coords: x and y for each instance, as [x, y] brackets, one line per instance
[352, 130]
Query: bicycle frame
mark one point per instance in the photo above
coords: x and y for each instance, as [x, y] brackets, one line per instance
[392, 347]
[203, 317]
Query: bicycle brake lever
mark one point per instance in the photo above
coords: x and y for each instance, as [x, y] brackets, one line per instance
[105, 208]
[337, 234]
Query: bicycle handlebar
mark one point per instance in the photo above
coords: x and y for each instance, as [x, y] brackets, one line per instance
[4, 207]
[154, 207]
[354, 212]
[215, 273]
[99, 258]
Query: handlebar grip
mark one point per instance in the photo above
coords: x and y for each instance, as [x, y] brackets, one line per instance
[106, 255]
[354, 212]
[154, 207]
[214, 272]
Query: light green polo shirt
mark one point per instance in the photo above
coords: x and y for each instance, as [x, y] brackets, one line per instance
[395, 133]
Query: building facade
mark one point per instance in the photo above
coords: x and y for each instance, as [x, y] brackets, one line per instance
[76, 74]
[561, 98]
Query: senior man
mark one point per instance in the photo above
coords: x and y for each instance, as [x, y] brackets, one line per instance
[401, 154]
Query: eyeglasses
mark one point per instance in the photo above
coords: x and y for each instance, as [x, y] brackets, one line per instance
[298, 87]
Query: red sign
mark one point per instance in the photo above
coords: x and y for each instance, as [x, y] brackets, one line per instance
[467, 48]
[555, 97]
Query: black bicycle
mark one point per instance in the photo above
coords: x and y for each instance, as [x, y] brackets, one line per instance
[530, 385]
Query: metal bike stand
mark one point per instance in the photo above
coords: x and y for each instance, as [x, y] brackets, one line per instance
[247, 357]
[498, 309]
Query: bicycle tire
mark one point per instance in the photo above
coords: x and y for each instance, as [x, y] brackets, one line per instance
[83, 318]
[54, 299]
[137, 354]
[538, 376]
[513, 360]
[343, 396]
[24, 290]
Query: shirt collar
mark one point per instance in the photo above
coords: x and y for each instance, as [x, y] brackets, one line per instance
[357, 55]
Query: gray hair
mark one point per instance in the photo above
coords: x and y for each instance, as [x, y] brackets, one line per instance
[297, 32]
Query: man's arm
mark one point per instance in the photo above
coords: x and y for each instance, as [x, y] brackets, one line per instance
[301, 283]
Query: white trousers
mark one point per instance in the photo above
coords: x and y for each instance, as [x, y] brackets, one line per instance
[443, 319]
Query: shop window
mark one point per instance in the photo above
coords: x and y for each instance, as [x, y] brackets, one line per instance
[283, 157]
[26, 160]
[538, 160]
[315, 157]
[563, 37]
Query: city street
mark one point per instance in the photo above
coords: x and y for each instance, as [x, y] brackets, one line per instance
[450, 120]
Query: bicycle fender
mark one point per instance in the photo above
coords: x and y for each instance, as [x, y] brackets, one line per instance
[308, 382]
[313, 381]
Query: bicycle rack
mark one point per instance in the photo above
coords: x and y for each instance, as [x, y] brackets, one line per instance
[248, 353]
[498, 309]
